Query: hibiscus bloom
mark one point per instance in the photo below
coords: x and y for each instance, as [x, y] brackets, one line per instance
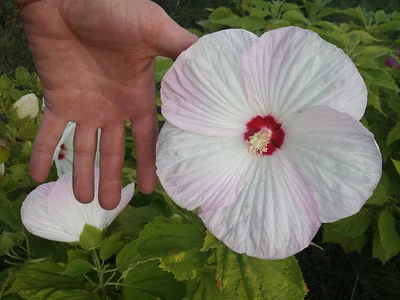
[64, 154]
[52, 212]
[263, 138]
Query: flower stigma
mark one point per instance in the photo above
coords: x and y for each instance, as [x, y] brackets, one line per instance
[258, 143]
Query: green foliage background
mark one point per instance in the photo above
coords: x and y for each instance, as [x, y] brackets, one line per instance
[155, 250]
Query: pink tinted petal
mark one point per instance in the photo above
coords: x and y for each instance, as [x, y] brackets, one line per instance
[289, 69]
[35, 217]
[274, 216]
[337, 155]
[198, 171]
[203, 91]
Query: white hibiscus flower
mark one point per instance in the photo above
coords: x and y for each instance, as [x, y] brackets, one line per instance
[263, 138]
[52, 212]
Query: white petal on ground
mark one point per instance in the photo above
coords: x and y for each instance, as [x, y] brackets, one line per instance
[274, 216]
[36, 219]
[337, 155]
[203, 91]
[289, 69]
[72, 215]
[201, 171]
[65, 164]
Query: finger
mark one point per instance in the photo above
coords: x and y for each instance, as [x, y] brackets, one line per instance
[170, 39]
[145, 131]
[47, 138]
[112, 151]
[85, 146]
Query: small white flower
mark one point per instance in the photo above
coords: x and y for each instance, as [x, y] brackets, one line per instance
[263, 138]
[64, 154]
[27, 106]
[52, 212]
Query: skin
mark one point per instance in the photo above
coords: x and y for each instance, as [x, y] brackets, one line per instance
[95, 59]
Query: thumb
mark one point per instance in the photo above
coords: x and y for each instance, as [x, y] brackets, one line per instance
[168, 37]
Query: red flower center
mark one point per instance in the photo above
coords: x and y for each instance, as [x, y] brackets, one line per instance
[264, 135]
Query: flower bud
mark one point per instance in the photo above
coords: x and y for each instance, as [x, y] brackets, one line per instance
[27, 106]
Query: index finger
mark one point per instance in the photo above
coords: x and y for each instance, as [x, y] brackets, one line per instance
[49, 134]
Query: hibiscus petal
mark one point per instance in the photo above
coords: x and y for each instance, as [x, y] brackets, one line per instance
[289, 69]
[203, 91]
[72, 215]
[274, 216]
[337, 155]
[35, 217]
[198, 171]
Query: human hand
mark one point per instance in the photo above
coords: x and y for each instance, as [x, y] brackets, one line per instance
[95, 59]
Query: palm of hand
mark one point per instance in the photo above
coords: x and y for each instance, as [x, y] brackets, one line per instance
[95, 59]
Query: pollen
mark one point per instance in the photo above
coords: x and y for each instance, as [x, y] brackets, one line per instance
[258, 143]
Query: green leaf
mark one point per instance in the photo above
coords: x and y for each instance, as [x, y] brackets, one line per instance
[396, 164]
[176, 245]
[352, 226]
[28, 131]
[245, 278]
[356, 13]
[380, 16]
[90, 237]
[148, 282]
[295, 16]
[77, 267]
[390, 238]
[73, 295]
[379, 196]
[210, 242]
[133, 219]
[383, 79]
[349, 244]
[110, 245]
[186, 264]
[248, 22]
[41, 280]
[203, 287]
[22, 75]
[163, 236]
[358, 36]
[8, 215]
[376, 51]
[5, 83]
[394, 134]
[374, 101]
[9, 240]
[128, 256]
[75, 254]
[377, 249]
[162, 65]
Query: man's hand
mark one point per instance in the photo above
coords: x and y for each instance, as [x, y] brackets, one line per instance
[95, 59]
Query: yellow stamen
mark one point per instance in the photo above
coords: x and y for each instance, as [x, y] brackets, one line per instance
[258, 143]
